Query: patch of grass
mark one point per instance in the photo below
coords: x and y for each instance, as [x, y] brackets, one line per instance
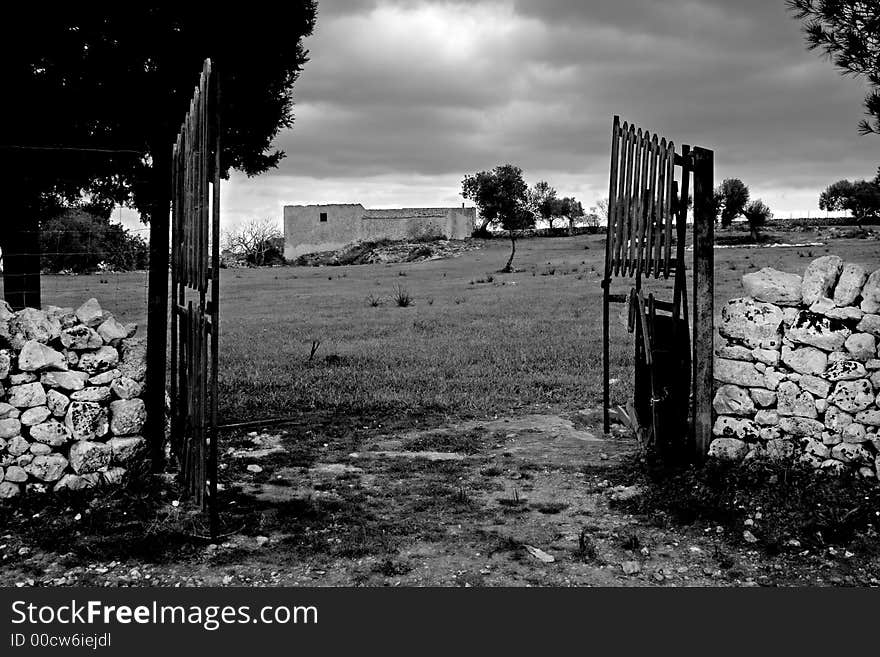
[467, 442]
[374, 300]
[402, 297]
[549, 508]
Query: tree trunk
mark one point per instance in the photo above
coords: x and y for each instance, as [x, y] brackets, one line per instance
[20, 241]
[754, 232]
[508, 267]
[157, 304]
[571, 227]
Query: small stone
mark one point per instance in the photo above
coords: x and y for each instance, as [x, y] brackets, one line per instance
[729, 427]
[735, 352]
[733, 400]
[854, 433]
[64, 380]
[749, 537]
[817, 449]
[762, 397]
[833, 467]
[791, 401]
[22, 378]
[767, 356]
[873, 364]
[105, 378]
[871, 294]
[845, 370]
[126, 388]
[124, 450]
[35, 356]
[88, 456]
[99, 360]
[631, 567]
[869, 324]
[27, 395]
[801, 426]
[780, 449]
[821, 405]
[852, 396]
[728, 449]
[820, 278]
[16, 474]
[134, 358]
[253, 467]
[818, 331]
[9, 428]
[17, 446]
[871, 418]
[39, 449]
[86, 420]
[754, 323]
[51, 433]
[805, 360]
[49, 467]
[127, 416]
[861, 346]
[111, 330]
[772, 378]
[851, 453]
[35, 415]
[773, 286]
[81, 337]
[90, 313]
[738, 373]
[849, 285]
[831, 439]
[71, 482]
[8, 411]
[847, 314]
[9, 490]
[57, 402]
[815, 385]
[92, 394]
[767, 418]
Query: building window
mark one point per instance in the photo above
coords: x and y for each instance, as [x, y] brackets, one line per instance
[323, 216]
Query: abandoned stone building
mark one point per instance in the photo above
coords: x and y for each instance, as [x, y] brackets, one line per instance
[314, 228]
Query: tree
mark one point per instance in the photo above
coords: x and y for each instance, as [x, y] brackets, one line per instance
[846, 31]
[601, 210]
[256, 240]
[501, 197]
[571, 208]
[543, 202]
[731, 197]
[117, 80]
[861, 198]
[757, 213]
[81, 240]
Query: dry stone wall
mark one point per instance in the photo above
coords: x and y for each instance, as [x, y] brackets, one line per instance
[797, 368]
[71, 412]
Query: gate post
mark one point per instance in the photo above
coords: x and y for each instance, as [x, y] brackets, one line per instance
[704, 301]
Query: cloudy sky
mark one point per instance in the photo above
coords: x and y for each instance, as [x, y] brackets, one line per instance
[402, 98]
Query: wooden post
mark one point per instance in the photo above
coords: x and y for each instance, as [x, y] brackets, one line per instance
[704, 302]
[606, 281]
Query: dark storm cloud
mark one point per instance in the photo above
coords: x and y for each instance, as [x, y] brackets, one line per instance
[431, 90]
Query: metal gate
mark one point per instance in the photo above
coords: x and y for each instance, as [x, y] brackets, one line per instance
[195, 290]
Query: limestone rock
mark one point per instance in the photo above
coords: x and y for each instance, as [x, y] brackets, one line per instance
[127, 416]
[27, 395]
[87, 456]
[51, 433]
[815, 385]
[817, 449]
[738, 373]
[86, 420]
[871, 418]
[5, 363]
[833, 467]
[92, 394]
[762, 397]
[99, 360]
[9, 490]
[861, 346]
[855, 433]
[820, 278]
[124, 450]
[871, 294]
[90, 313]
[767, 356]
[49, 467]
[836, 419]
[81, 337]
[767, 418]
[729, 427]
[792, 401]
[57, 402]
[21, 378]
[72, 482]
[852, 396]
[805, 360]
[126, 388]
[8, 411]
[846, 313]
[35, 415]
[821, 405]
[772, 378]
[779, 449]
[845, 370]
[754, 323]
[849, 285]
[64, 380]
[16, 474]
[9, 428]
[39, 449]
[36, 356]
[134, 358]
[733, 400]
[851, 453]
[869, 324]
[17, 446]
[728, 449]
[801, 426]
[111, 330]
[735, 352]
[818, 331]
[31, 324]
[773, 286]
[104, 378]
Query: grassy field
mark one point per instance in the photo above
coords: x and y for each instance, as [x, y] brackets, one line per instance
[473, 343]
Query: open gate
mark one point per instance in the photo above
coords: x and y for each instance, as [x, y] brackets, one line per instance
[647, 211]
[195, 294]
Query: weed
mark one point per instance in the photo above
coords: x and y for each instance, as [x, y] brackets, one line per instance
[430, 301]
[586, 547]
[402, 297]
[314, 349]
[374, 300]
[401, 273]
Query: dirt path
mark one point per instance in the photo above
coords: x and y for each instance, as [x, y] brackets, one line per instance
[524, 501]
